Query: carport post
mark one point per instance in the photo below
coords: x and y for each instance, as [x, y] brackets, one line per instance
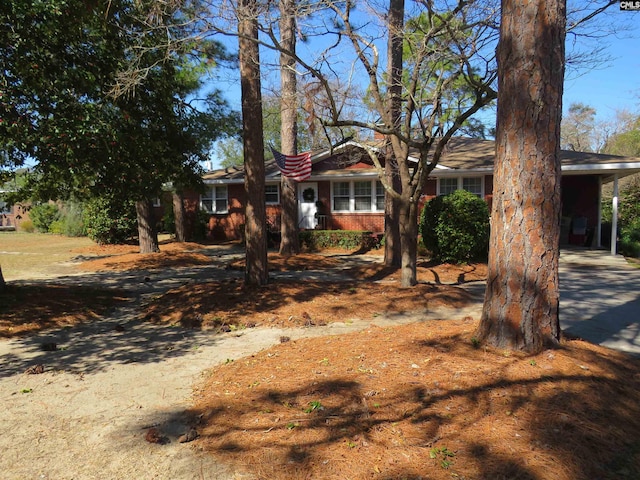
[599, 222]
[614, 215]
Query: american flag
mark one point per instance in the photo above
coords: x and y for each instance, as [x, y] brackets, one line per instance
[297, 167]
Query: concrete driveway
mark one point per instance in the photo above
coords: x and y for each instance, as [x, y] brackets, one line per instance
[600, 299]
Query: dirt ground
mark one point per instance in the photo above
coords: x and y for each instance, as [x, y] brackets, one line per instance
[391, 384]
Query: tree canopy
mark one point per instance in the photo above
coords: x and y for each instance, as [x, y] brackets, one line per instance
[64, 112]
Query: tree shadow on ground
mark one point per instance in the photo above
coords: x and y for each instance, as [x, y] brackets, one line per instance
[95, 346]
[569, 413]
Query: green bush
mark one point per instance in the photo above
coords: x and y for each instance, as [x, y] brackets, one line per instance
[27, 226]
[455, 227]
[313, 240]
[57, 227]
[73, 223]
[628, 218]
[110, 221]
[629, 242]
[43, 216]
[169, 219]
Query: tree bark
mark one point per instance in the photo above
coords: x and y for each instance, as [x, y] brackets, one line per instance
[3, 284]
[289, 243]
[179, 216]
[256, 272]
[521, 305]
[147, 232]
[393, 244]
[408, 240]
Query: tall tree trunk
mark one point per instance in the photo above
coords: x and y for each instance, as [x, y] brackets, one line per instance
[3, 284]
[408, 241]
[289, 243]
[257, 272]
[522, 297]
[392, 245]
[147, 232]
[179, 216]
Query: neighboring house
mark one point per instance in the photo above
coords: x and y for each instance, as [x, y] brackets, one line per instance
[344, 193]
[12, 216]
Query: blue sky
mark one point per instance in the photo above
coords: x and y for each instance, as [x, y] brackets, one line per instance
[615, 85]
[612, 86]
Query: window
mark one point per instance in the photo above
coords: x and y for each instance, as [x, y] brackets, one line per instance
[215, 200]
[470, 184]
[156, 202]
[362, 196]
[473, 185]
[358, 196]
[448, 185]
[341, 196]
[4, 208]
[272, 194]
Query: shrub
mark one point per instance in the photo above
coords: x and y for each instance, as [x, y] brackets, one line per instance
[27, 226]
[201, 228]
[628, 218]
[169, 220]
[313, 240]
[455, 227]
[43, 216]
[73, 224]
[110, 221]
[57, 227]
[629, 243]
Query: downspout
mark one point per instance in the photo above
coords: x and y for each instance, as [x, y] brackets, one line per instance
[614, 216]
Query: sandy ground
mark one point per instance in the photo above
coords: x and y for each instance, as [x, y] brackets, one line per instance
[108, 383]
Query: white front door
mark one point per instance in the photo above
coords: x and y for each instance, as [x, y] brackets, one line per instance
[307, 209]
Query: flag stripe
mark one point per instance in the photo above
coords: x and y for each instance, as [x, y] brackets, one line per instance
[297, 167]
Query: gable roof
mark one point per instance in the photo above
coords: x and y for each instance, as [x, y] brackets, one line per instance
[462, 156]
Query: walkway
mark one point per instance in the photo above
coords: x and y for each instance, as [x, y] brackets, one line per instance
[600, 299]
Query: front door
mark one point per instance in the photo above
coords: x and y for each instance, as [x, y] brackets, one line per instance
[307, 198]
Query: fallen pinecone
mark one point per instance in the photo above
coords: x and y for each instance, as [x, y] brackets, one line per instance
[35, 370]
[190, 436]
[154, 435]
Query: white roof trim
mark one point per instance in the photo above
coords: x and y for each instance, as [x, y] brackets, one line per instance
[219, 181]
[602, 166]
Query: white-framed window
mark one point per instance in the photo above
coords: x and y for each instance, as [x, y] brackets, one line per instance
[272, 194]
[156, 202]
[341, 197]
[4, 208]
[362, 196]
[357, 196]
[449, 185]
[215, 200]
[473, 185]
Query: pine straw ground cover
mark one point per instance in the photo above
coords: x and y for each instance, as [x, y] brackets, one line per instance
[402, 402]
[421, 401]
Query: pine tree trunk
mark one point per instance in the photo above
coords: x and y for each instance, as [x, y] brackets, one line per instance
[393, 245]
[522, 298]
[179, 217]
[257, 272]
[289, 243]
[408, 241]
[147, 233]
